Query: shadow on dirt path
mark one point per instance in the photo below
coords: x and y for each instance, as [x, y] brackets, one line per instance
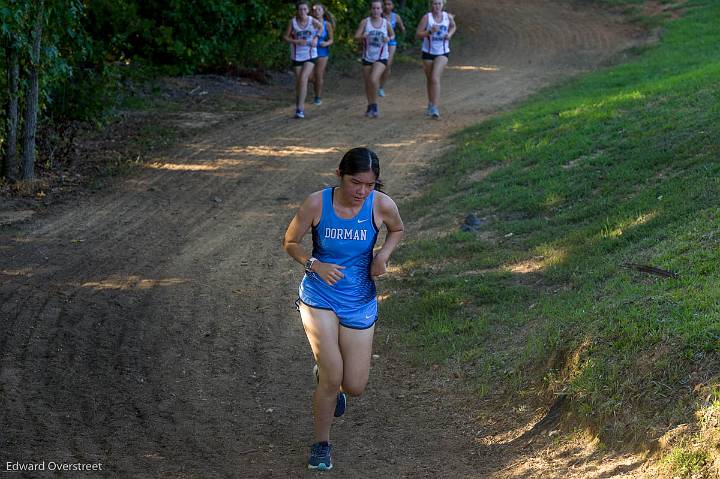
[151, 327]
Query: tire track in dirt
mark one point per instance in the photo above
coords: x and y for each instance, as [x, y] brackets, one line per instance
[167, 345]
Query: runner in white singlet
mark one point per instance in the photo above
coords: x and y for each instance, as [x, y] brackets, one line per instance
[302, 34]
[375, 33]
[435, 30]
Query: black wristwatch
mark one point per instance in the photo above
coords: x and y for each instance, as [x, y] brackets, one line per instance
[308, 264]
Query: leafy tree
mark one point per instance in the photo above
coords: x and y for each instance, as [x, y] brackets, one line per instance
[27, 167]
[9, 167]
[34, 35]
[13, 15]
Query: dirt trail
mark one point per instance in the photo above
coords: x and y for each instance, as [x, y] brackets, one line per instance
[151, 327]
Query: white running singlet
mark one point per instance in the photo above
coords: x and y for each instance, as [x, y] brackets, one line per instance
[437, 43]
[375, 47]
[302, 53]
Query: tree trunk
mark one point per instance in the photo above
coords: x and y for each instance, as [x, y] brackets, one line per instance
[13, 69]
[31, 99]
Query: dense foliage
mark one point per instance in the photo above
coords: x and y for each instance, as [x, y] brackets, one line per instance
[88, 47]
[213, 35]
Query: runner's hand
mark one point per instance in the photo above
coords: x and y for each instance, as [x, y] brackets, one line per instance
[329, 272]
[378, 266]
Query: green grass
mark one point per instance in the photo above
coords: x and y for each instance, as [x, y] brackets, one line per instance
[620, 166]
[686, 462]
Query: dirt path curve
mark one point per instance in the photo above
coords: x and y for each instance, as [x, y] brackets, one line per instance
[150, 328]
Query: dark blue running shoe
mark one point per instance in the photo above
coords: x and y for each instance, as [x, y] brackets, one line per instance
[340, 404]
[320, 456]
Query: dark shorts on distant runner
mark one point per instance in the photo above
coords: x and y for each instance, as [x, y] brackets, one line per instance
[296, 63]
[430, 56]
[367, 63]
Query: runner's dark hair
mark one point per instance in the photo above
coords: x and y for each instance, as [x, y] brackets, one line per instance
[360, 160]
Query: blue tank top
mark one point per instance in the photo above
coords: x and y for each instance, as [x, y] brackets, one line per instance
[345, 242]
[323, 51]
[393, 22]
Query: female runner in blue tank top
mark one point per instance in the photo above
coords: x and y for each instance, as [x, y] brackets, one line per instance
[397, 24]
[302, 34]
[375, 33]
[323, 48]
[338, 303]
[435, 30]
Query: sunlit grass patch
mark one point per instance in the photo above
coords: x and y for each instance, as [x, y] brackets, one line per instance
[686, 462]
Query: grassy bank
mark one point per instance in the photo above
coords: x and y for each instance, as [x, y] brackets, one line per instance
[577, 191]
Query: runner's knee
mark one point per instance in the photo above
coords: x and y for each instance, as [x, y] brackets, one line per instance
[330, 373]
[330, 382]
[355, 387]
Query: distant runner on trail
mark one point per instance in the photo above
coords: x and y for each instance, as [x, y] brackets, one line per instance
[396, 23]
[375, 33]
[326, 39]
[435, 30]
[338, 303]
[302, 34]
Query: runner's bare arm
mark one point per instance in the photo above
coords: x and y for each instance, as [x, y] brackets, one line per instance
[307, 216]
[331, 36]
[393, 223]
[400, 24]
[390, 33]
[453, 27]
[421, 31]
[318, 30]
[360, 32]
[288, 36]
